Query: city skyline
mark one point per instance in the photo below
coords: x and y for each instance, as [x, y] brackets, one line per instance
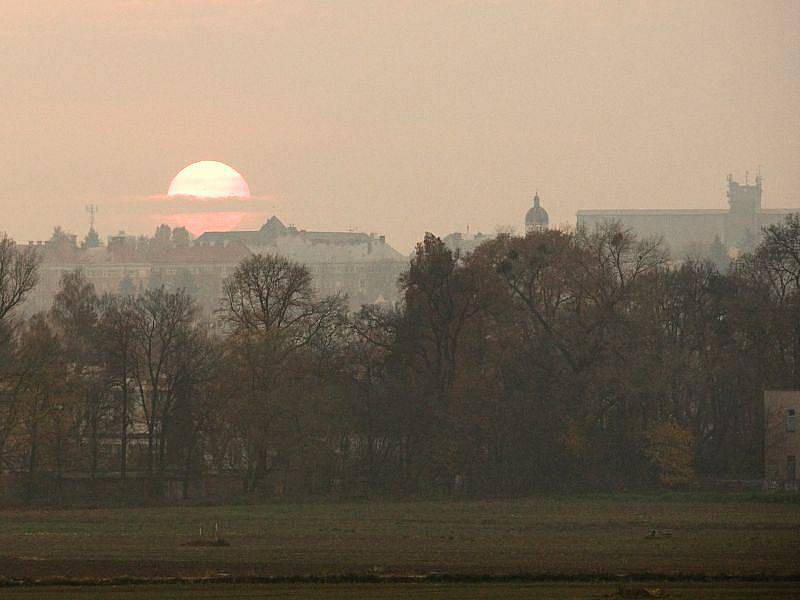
[409, 298]
[396, 119]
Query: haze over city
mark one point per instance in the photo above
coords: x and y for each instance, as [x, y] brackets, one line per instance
[441, 299]
[397, 118]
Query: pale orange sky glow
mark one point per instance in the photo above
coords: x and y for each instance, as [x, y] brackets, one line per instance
[393, 117]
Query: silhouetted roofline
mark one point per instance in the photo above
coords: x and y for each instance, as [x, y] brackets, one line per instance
[675, 211]
[653, 211]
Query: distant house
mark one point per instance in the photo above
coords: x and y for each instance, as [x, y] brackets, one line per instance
[465, 243]
[781, 438]
[362, 266]
[127, 267]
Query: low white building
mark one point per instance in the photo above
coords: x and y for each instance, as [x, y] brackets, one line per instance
[781, 437]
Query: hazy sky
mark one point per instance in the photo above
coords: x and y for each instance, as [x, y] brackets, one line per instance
[395, 117]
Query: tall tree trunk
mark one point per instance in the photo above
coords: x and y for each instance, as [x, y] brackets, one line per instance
[93, 445]
[162, 433]
[187, 466]
[59, 457]
[797, 354]
[123, 451]
[151, 425]
[32, 459]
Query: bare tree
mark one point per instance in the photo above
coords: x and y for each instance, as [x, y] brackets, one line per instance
[271, 310]
[42, 372]
[162, 322]
[75, 314]
[199, 400]
[18, 274]
[117, 330]
[777, 260]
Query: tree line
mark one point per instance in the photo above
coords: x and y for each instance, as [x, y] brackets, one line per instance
[562, 359]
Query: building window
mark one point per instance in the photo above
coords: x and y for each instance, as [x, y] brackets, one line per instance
[791, 468]
[791, 421]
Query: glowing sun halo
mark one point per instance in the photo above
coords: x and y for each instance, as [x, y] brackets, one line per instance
[209, 179]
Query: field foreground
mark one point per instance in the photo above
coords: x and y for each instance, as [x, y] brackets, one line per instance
[570, 541]
[674, 591]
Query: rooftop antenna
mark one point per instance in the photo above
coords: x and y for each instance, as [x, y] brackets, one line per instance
[92, 210]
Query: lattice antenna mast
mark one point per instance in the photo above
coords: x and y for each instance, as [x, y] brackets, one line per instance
[92, 210]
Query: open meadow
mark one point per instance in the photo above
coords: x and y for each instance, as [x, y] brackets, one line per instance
[564, 542]
[485, 591]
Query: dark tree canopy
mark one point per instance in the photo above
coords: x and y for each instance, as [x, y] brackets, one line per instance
[557, 360]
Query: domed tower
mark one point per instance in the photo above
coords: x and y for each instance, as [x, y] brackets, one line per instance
[537, 217]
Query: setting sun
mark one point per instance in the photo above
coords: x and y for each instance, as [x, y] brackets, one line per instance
[209, 179]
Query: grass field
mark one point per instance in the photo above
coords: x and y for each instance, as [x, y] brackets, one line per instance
[571, 536]
[673, 591]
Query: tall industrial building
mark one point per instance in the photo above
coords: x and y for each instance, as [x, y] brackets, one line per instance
[691, 230]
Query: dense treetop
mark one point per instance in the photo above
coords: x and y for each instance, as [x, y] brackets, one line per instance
[561, 359]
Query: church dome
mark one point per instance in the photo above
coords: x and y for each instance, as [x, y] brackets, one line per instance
[536, 215]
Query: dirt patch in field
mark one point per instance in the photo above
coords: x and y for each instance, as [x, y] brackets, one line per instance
[30, 568]
[18, 571]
